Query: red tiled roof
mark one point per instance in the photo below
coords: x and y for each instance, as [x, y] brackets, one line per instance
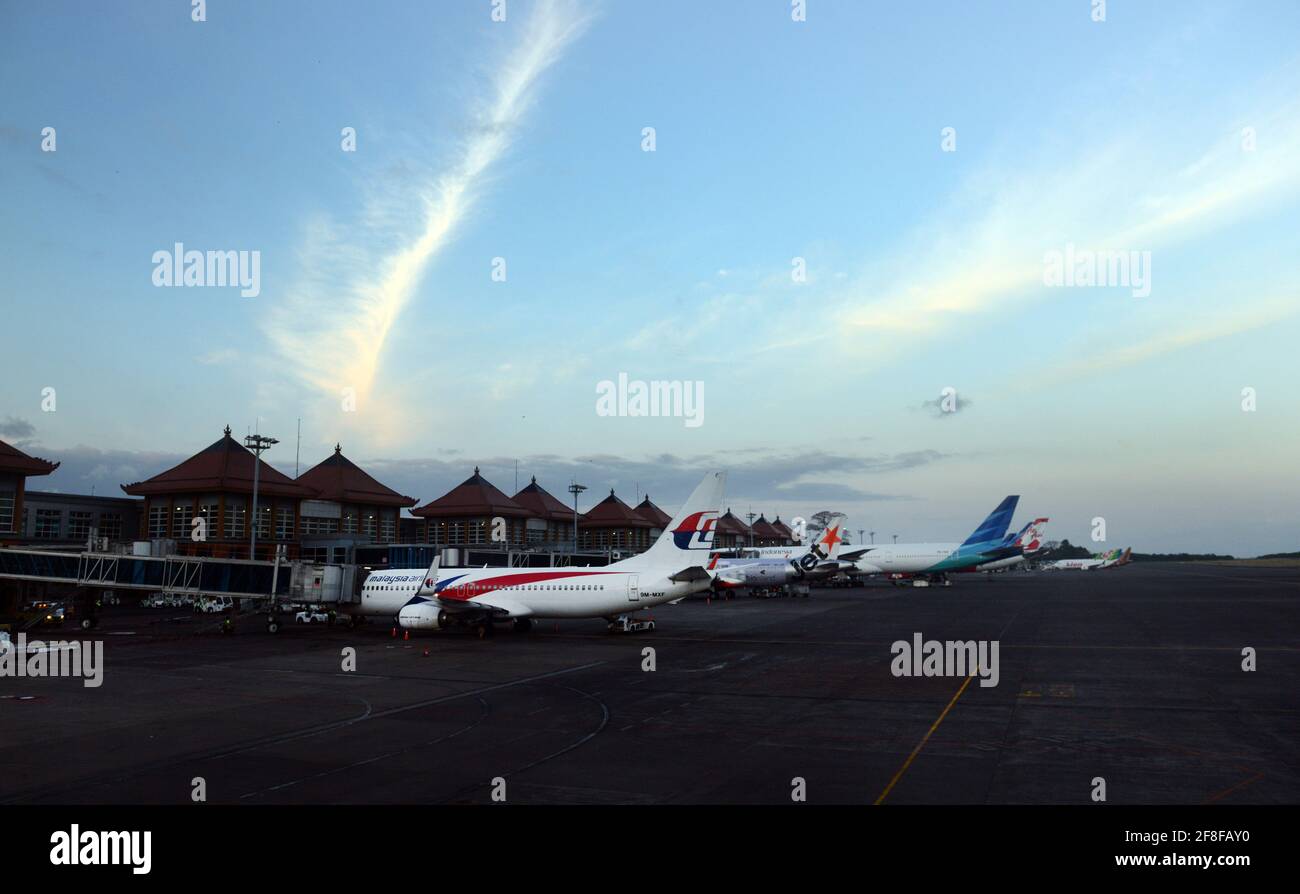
[14, 460]
[653, 513]
[541, 503]
[339, 479]
[729, 524]
[612, 512]
[475, 497]
[225, 466]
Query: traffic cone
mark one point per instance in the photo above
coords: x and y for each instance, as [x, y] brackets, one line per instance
[394, 633]
[406, 634]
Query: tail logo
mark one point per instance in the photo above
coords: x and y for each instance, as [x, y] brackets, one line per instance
[696, 532]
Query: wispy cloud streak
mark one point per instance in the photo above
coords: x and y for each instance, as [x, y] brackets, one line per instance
[333, 328]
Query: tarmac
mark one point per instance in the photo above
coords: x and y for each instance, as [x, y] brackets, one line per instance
[1132, 675]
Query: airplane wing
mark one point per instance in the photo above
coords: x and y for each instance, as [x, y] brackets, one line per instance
[693, 573]
[502, 608]
[852, 554]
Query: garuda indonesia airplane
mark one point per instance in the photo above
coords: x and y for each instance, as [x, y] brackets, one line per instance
[987, 543]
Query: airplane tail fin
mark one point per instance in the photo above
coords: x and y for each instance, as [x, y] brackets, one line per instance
[1030, 540]
[995, 526]
[828, 544]
[688, 539]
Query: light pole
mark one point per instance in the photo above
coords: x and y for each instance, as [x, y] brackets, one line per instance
[751, 517]
[575, 488]
[860, 536]
[895, 538]
[256, 443]
[873, 536]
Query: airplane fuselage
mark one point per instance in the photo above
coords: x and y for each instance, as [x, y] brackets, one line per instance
[929, 558]
[520, 592]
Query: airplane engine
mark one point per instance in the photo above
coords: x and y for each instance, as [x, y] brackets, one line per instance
[423, 616]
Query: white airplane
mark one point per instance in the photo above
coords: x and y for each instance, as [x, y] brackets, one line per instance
[671, 569]
[814, 561]
[987, 545]
[1111, 559]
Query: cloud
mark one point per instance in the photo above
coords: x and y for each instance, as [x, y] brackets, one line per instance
[83, 470]
[334, 326]
[13, 428]
[937, 409]
[760, 476]
[1172, 338]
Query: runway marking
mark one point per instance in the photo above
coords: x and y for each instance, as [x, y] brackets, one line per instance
[926, 738]
[1227, 791]
[217, 754]
[370, 760]
[329, 727]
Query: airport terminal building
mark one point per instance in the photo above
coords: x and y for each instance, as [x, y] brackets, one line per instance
[203, 506]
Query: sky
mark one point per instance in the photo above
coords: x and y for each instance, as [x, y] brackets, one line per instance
[838, 219]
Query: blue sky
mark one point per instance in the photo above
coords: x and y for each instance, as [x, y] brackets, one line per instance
[775, 139]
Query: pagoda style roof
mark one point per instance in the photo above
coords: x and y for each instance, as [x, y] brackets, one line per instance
[782, 529]
[542, 503]
[224, 466]
[614, 513]
[475, 497]
[653, 513]
[15, 461]
[729, 524]
[339, 479]
[764, 530]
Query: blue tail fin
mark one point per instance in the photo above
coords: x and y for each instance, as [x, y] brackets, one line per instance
[995, 526]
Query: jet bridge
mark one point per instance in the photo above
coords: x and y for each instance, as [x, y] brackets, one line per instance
[270, 582]
[187, 575]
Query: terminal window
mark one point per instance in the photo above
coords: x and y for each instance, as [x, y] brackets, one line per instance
[235, 513]
[110, 525]
[49, 524]
[6, 511]
[157, 522]
[284, 523]
[79, 525]
[181, 521]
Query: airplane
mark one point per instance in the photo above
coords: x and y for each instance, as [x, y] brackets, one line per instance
[671, 569]
[818, 560]
[1112, 559]
[986, 545]
[1030, 541]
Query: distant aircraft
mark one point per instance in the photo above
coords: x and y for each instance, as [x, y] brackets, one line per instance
[1112, 559]
[818, 560]
[671, 569]
[986, 545]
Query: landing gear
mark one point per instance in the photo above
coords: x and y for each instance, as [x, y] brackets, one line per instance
[89, 622]
[484, 629]
[272, 623]
[523, 625]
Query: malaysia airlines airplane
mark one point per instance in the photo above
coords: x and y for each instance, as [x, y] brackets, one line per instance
[815, 561]
[987, 544]
[671, 569]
